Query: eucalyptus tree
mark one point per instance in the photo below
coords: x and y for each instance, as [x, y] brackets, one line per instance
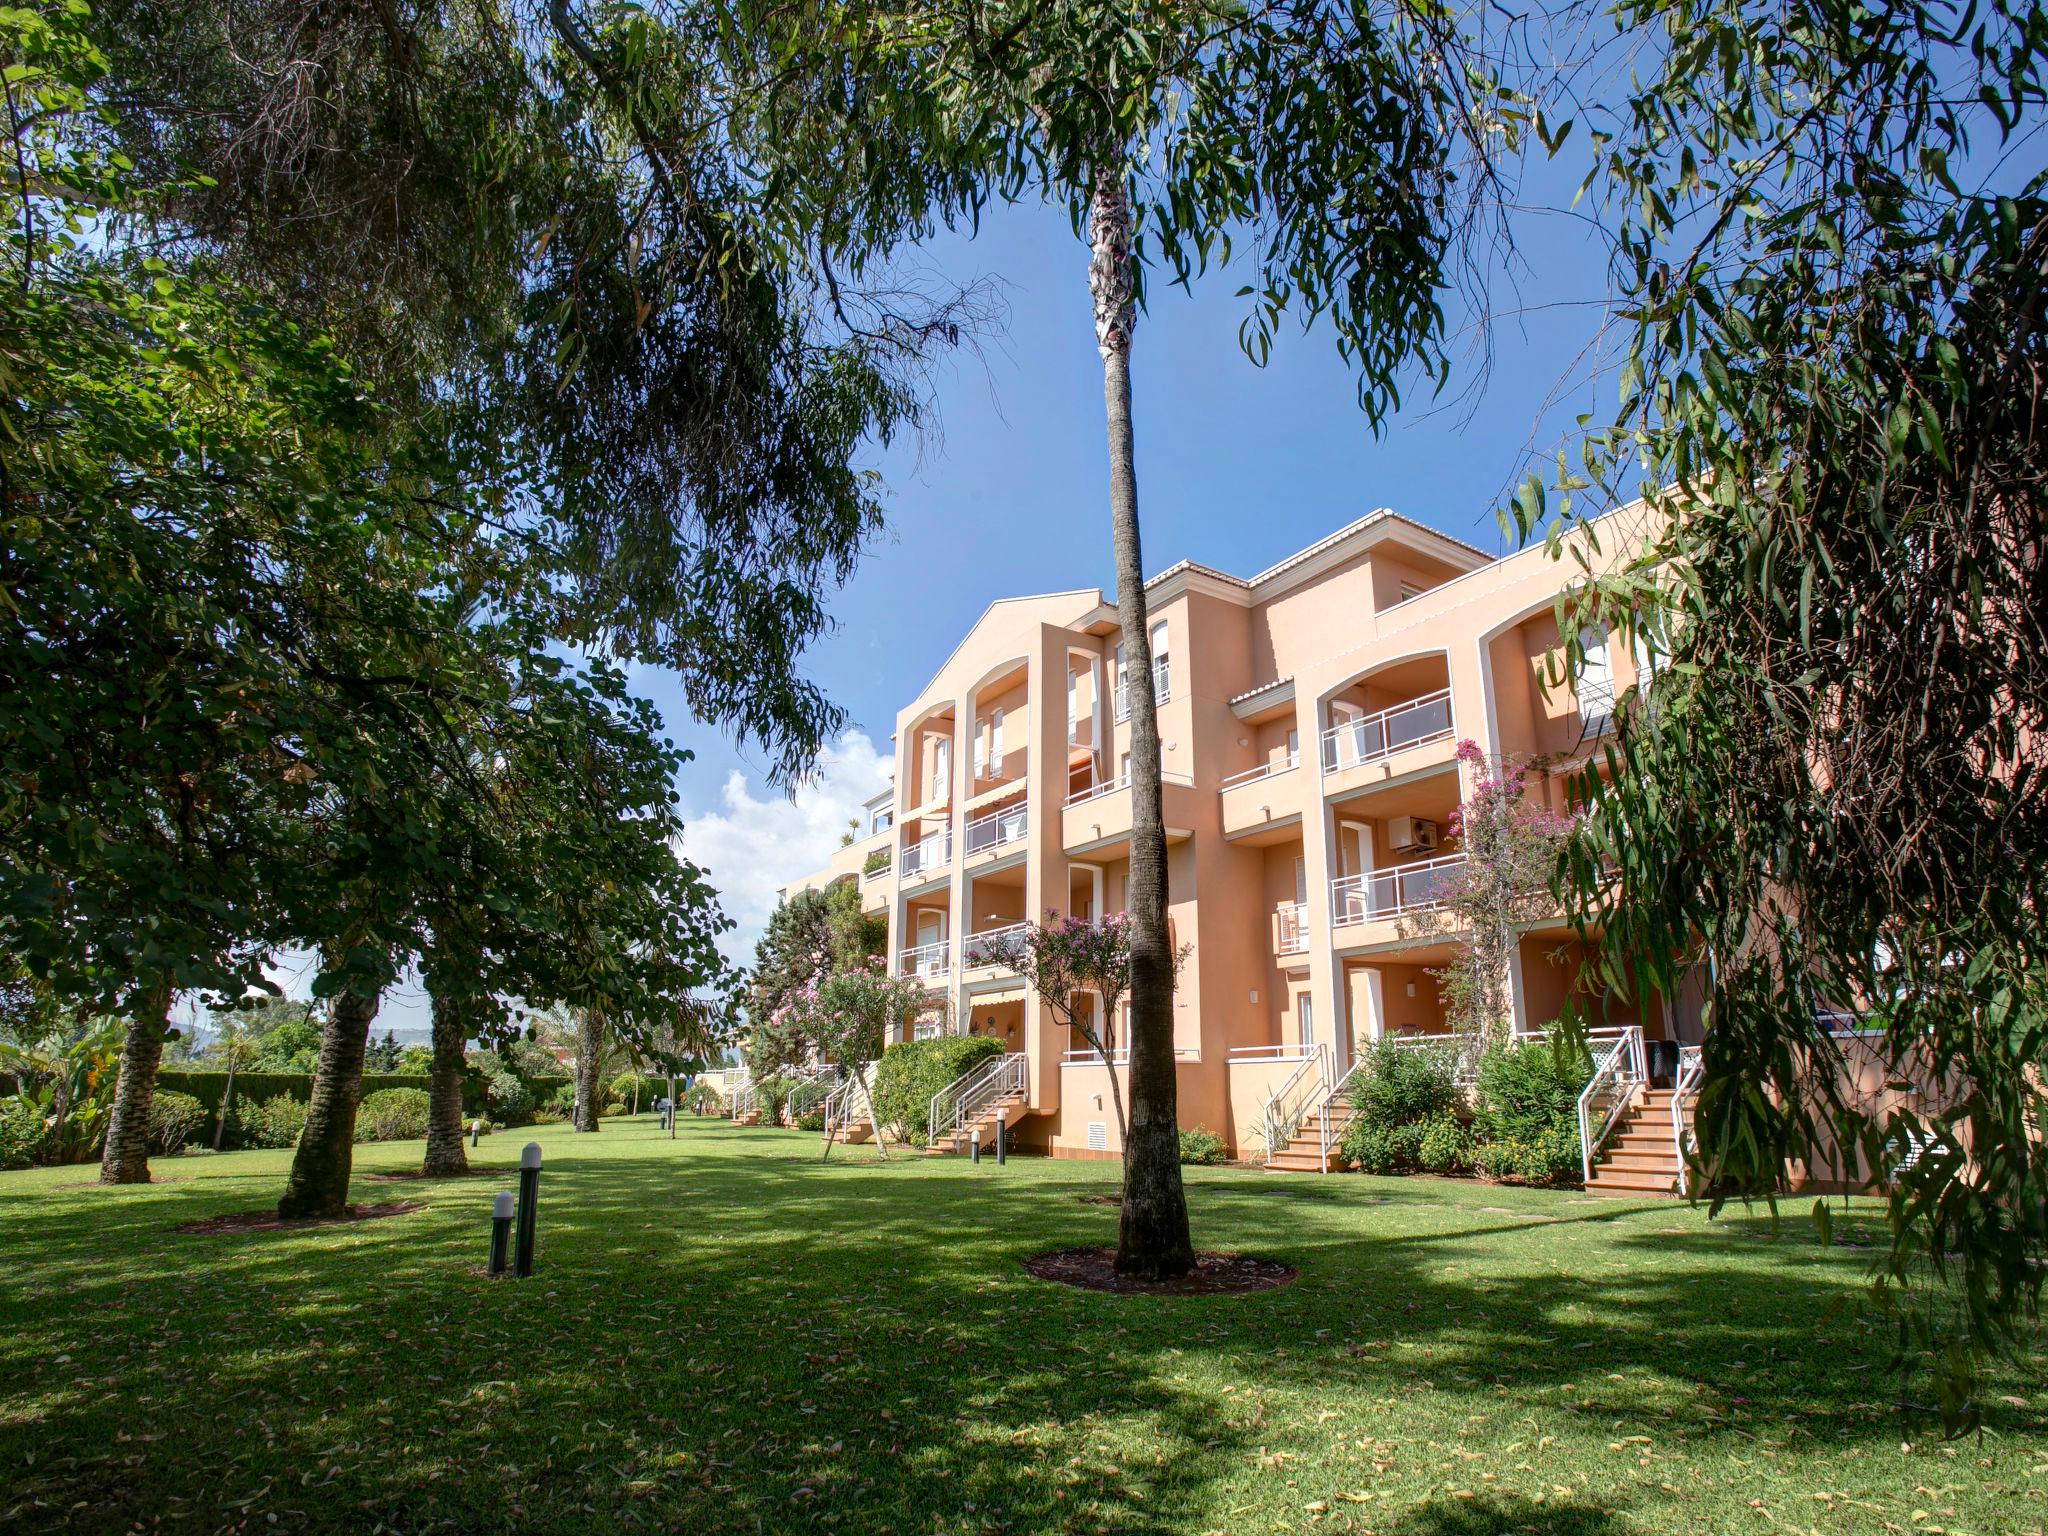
[1832, 246]
[1320, 135]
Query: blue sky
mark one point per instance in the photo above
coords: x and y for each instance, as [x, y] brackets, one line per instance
[1237, 467]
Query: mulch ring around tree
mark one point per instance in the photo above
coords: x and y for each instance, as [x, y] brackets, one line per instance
[416, 1176]
[270, 1221]
[1214, 1274]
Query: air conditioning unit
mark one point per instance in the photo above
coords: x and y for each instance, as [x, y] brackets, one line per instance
[1411, 834]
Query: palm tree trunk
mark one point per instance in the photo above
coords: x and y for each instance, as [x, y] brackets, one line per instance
[589, 1064]
[1152, 1237]
[126, 1158]
[318, 1185]
[445, 1156]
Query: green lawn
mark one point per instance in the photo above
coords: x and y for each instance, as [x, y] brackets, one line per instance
[725, 1336]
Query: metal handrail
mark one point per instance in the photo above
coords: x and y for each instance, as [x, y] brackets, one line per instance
[1372, 737]
[928, 854]
[1123, 781]
[811, 1092]
[973, 1091]
[1264, 1053]
[968, 955]
[846, 1103]
[1287, 1105]
[1291, 918]
[1334, 1093]
[1285, 764]
[1008, 825]
[1464, 1050]
[742, 1101]
[1692, 1066]
[1380, 893]
[1616, 1071]
[925, 960]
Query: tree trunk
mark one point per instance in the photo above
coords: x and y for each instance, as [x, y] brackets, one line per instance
[318, 1185]
[227, 1105]
[1152, 1237]
[445, 1156]
[589, 1064]
[126, 1159]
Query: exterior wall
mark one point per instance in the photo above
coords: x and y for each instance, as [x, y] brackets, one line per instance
[1380, 614]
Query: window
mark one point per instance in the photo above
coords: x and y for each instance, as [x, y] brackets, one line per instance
[995, 749]
[1304, 1010]
[1596, 677]
[1409, 590]
[942, 769]
[1073, 701]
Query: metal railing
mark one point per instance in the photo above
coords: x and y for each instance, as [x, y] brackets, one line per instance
[1123, 781]
[876, 871]
[1461, 1051]
[1290, 927]
[1008, 825]
[740, 1103]
[810, 1093]
[1264, 771]
[1692, 1066]
[928, 854]
[1383, 893]
[1616, 1072]
[1300, 1093]
[1120, 1057]
[1325, 1136]
[926, 961]
[1162, 688]
[1254, 1054]
[847, 1104]
[976, 951]
[1371, 737]
[964, 1099]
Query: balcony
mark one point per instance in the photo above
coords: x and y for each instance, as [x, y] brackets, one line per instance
[1290, 928]
[998, 829]
[1253, 802]
[1389, 893]
[876, 867]
[1370, 738]
[926, 962]
[1101, 815]
[928, 855]
[980, 947]
[1162, 689]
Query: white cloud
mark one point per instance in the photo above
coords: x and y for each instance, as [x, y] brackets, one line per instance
[751, 847]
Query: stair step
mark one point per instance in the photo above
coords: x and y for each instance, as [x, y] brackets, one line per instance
[1640, 1162]
[1634, 1183]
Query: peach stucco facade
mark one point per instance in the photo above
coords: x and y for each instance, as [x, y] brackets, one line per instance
[1309, 718]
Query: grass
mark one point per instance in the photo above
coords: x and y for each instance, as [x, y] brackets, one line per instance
[725, 1336]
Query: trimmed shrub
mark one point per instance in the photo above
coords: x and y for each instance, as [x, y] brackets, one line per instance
[811, 1120]
[702, 1099]
[550, 1113]
[209, 1086]
[174, 1119]
[1529, 1112]
[770, 1094]
[497, 1090]
[912, 1071]
[273, 1123]
[1396, 1095]
[393, 1114]
[21, 1133]
[612, 1111]
[1446, 1145]
[1201, 1146]
[630, 1088]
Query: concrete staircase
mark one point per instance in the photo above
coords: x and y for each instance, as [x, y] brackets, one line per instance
[851, 1133]
[1304, 1154]
[1639, 1159]
[1007, 1110]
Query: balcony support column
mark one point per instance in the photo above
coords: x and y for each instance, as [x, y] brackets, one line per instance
[1319, 866]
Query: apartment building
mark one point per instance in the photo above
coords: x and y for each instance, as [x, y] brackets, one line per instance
[1309, 717]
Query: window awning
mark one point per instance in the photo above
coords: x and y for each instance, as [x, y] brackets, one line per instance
[995, 796]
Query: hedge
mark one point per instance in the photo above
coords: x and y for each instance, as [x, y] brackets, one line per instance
[912, 1071]
[208, 1085]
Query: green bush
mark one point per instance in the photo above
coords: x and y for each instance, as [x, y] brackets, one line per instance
[612, 1110]
[912, 1071]
[273, 1123]
[1529, 1112]
[498, 1090]
[393, 1114]
[703, 1099]
[174, 1119]
[811, 1120]
[630, 1088]
[1201, 1146]
[1446, 1145]
[1397, 1093]
[550, 1113]
[1552, 1157]
[21, 1133]
[770, 1094]
[209, 1086]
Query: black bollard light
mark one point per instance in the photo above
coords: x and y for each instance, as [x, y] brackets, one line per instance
[529, 1198]
[501, 1231]
[1002, 1142]
[974, 1145]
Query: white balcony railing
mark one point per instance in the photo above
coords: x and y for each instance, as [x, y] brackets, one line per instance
[1371, 737]
[1264, 771]
[875, 871]
[1120, 1057]
[979, 948]
[1123, 781]
[928, 854]
[1390, 892]
[926, 961]
[1162, 688]
[998, 828]
[1290, 931]
[1253, 1055]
